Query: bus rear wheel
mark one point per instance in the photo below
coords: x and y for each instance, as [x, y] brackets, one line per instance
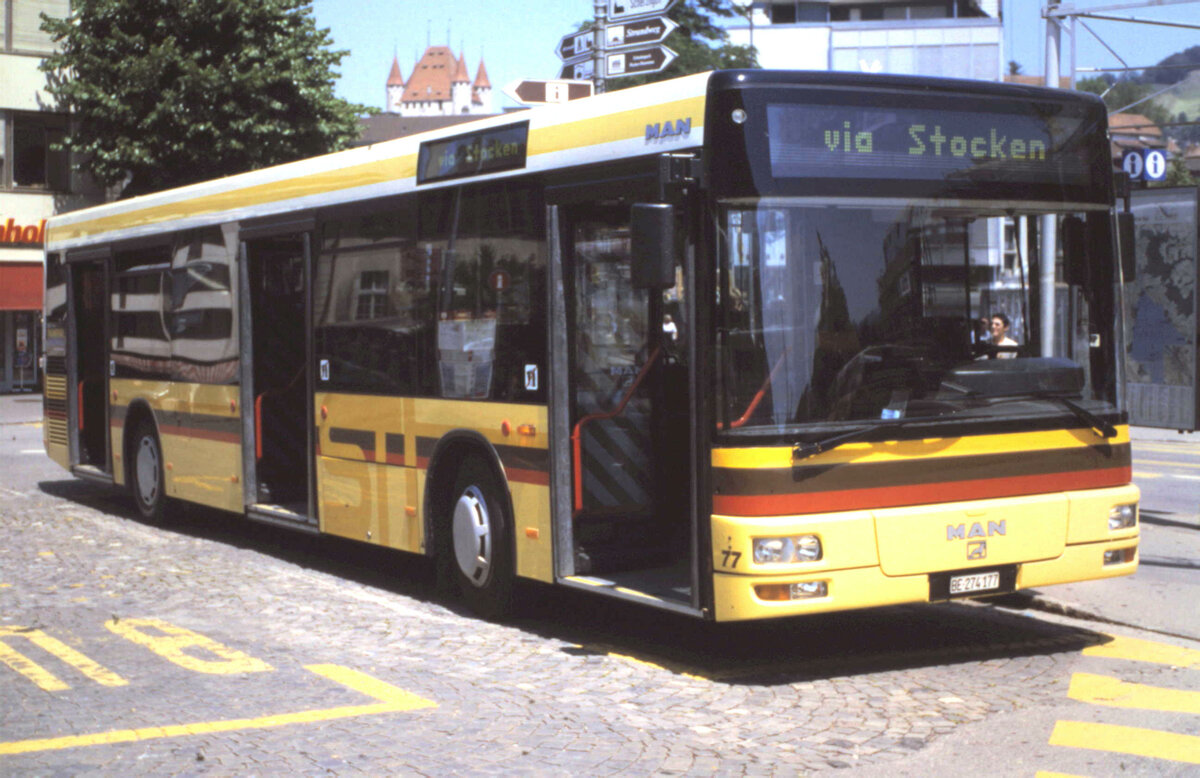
[479, 535]
[146, 473]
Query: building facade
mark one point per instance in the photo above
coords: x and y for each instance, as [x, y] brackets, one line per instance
[36, 181]
[954, 38]
[440, 85]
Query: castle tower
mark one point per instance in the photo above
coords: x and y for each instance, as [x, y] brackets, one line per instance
[460, 87]
[395, 88]
[439, 85]
[481, 91]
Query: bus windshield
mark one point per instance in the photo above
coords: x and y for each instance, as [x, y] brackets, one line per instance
[862, 311]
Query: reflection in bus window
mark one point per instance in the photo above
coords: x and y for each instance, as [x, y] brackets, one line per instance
[857, 313]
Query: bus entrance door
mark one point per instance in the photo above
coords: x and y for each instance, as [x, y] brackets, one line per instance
[90, 371]
[276, 385]
[629, 520]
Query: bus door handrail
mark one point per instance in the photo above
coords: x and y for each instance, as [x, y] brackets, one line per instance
[577, 432]
[258, 438]
[758, 397]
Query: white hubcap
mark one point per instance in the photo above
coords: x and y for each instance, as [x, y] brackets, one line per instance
[472, 537]
[147, 471]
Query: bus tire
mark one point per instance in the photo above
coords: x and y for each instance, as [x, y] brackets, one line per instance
[146, 481]
[479, 541]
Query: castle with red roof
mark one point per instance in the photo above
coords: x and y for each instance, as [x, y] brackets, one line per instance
[439, 85]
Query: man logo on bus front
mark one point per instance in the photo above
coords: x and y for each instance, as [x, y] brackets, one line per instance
[977, 549]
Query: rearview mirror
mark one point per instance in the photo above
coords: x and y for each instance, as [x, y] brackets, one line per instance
[653, 245]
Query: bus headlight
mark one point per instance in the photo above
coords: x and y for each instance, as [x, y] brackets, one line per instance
[805, 590]
[1119, 556]
[1122, 517]
[783, 551]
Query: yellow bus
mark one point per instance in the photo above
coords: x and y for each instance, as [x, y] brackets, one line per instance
[741, 345]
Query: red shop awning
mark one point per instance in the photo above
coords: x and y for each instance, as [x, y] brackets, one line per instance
[20, 286]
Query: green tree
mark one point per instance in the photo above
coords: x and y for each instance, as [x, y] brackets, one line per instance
[1174, 68]
[169, 92]
[1178, 173]
[700, 41]
[1124, 93]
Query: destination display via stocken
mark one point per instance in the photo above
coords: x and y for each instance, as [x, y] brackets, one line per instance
[855, 142]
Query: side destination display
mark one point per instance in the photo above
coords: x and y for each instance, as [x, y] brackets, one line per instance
[488, 151]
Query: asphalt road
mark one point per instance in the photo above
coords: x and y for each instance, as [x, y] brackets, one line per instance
[1163, 595]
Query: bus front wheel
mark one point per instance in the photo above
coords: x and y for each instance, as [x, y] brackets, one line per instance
[480, 541]
[146, 473]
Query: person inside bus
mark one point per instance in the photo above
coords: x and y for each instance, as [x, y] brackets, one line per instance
[1000, 337]
[670, 330]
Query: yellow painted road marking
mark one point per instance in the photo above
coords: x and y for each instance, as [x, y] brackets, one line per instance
[45, 679]
[1103, 690]
[1127, 740]
[172, 643]
[1146, 651]
[1045, 774]
[1136, 474]
[682, 670]
[1160, 463]
[1185, 449]
[390, 700]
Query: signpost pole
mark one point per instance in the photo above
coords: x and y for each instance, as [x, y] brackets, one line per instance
[600, 31]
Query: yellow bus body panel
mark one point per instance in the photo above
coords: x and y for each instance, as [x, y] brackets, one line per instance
[941, 537]
[374, 458]
[55, 430]
[931, 449]
[851, 541]
[199, 429]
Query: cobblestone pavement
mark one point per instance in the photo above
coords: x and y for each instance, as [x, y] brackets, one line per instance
[218, 647]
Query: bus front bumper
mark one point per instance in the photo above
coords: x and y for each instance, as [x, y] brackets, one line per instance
[861, 568]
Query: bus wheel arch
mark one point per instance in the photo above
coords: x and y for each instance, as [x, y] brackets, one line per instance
[145, 467]
[471, 524]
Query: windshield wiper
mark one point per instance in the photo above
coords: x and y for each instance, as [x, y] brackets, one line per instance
[1097, 424]
[806, 450]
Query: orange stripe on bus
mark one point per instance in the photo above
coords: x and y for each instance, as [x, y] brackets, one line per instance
[538, 477]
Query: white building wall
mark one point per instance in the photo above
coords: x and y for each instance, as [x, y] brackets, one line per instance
[955, 48]
[963, 49]
[787, 47]
[23, 84]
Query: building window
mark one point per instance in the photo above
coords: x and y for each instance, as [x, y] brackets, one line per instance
[21, 24]
[371, 297]
[36, 163]
[783, 13]
[791, 12]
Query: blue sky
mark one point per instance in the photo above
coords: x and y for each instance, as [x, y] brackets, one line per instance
[517, 38]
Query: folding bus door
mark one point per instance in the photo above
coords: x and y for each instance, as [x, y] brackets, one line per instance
[88, 368]
[629, 412]
[276, 382]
